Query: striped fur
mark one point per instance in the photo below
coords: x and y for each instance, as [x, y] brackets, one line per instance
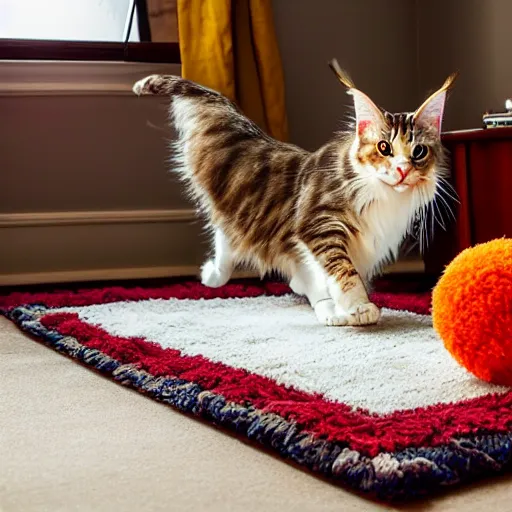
[327, 220]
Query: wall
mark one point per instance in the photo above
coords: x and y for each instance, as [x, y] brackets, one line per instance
[85, 189]
[398, 51]
[374, 40]
[475, 37]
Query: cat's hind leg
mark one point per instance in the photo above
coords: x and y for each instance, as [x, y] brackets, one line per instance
[310, 280]
[218, 270]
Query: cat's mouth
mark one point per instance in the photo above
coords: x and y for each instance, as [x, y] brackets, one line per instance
[401, 187]
[397, 185]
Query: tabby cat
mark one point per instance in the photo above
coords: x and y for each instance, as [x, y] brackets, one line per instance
[327, 220]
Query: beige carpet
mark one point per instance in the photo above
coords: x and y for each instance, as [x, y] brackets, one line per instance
[72, 440]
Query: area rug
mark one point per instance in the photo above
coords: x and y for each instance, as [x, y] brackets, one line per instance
[384, 410]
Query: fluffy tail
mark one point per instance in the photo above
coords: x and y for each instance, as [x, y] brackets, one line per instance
[170, 85]
[196, 109]
[157, 84]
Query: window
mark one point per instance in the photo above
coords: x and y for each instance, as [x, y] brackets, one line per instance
[125, 30]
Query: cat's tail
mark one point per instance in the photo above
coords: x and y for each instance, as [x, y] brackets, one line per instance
[197, 103]
[160, 85]
[176, 86]
[155, 84]
[199, 112]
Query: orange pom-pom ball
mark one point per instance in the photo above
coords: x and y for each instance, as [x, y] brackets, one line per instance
[472, 310]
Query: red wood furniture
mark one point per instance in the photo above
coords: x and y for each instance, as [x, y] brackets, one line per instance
[481, 173]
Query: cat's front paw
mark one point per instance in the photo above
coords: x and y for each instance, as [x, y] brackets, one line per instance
[213, 277]
[326, 313]
[363, 314]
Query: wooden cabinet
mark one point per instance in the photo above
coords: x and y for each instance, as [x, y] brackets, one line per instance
[481, 173]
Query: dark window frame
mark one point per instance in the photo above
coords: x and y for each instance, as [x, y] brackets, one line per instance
[28, 49]
[143, 51]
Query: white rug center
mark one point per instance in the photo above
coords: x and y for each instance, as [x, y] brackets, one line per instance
[398, 364]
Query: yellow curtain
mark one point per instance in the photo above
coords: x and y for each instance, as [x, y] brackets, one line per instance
[231, 47]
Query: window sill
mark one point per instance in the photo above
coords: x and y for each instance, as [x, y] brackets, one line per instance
[75, 78]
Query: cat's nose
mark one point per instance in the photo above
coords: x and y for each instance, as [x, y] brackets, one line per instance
[403, 171]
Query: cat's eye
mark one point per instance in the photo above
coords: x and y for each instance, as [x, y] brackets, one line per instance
[419, 152]
[384, 148]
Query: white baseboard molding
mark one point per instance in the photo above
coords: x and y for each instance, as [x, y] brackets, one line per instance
[15, 220]
[117, 274]
[413, 266]
[53, 247]
[73, 78]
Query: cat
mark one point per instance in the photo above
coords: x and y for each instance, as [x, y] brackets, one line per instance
[326, 220]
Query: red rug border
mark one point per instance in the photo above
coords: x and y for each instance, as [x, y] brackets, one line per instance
[419, 302]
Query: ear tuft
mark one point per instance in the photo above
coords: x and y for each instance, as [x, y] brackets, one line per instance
[342, 75]
[368, 115]
[430, 114]
[450, 81]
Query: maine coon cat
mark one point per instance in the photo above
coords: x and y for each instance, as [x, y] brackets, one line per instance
[327, 220]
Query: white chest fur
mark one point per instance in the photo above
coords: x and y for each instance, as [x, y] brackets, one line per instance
[383, 226]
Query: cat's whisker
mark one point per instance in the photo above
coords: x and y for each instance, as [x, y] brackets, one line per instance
[418, 218]
[443, 184]
[432, 221]
[448, 208]
[426, 212]
[424, 226]
[442, 191]
[438, 215]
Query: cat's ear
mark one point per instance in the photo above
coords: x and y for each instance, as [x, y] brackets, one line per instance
[430, 114]
[368, 116]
